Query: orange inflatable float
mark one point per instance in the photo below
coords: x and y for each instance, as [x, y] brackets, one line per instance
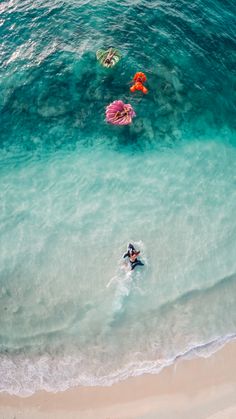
[139, 80]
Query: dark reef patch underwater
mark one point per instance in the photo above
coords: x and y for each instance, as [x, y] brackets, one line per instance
[74, 190]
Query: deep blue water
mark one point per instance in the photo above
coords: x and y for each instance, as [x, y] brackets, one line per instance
[74, 190]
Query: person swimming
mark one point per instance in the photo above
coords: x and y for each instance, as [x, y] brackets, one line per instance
[132, 254]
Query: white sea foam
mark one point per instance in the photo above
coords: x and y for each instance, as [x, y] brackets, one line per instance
[24, 376]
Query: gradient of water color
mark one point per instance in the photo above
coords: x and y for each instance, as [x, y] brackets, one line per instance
[74, 190]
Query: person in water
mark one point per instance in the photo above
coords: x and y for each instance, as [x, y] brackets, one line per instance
[132, 254]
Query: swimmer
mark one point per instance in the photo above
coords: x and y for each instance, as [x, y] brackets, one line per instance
[132, 254]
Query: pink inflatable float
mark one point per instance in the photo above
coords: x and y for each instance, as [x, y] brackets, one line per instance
[119, 113]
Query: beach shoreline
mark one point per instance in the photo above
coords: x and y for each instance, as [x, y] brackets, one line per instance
[204, 388]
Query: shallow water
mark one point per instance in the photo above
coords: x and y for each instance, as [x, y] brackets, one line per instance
[74, 190]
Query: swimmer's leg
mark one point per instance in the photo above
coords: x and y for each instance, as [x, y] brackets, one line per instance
[136, 263]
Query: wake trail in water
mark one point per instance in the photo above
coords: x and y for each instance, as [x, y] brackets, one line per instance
[124, 280]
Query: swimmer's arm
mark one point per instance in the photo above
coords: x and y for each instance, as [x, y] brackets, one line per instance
[125, 255]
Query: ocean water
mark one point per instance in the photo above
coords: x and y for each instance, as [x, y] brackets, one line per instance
[74, 190]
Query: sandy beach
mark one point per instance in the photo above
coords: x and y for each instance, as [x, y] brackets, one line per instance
[201, 388]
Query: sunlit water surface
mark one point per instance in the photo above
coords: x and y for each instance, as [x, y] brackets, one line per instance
[74, 190]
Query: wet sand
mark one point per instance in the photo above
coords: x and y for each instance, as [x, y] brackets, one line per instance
[201, 388]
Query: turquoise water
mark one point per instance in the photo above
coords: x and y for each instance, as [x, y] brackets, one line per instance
[74, 190]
